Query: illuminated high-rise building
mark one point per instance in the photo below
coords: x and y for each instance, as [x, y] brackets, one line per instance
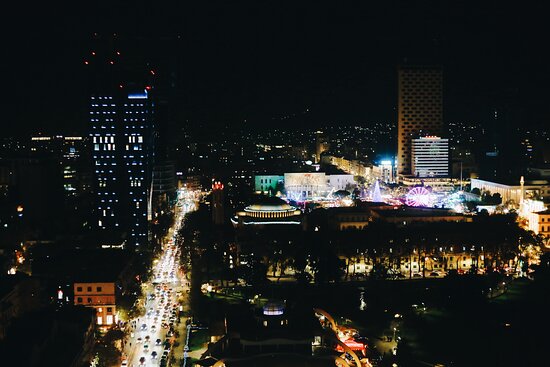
[121, 114]
[430, 157]
[122, 154]
[420, 109]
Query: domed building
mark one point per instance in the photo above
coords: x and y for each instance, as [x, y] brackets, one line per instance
[268, 211]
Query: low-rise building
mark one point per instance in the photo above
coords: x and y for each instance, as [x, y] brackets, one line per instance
[512, 191]
[544, 223]
[268, 211]
[101, 297]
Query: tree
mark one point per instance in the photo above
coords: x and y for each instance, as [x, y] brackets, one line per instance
[496, 199]
[476, 191]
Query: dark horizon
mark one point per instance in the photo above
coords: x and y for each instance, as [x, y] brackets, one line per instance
[224, 63]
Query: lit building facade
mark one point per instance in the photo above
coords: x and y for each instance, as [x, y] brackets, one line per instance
[101, 297]
[268, 183]
[122, 153]
[351, 166]
[543, 223]
[384, 171]
[430, 157]
[537, 190]
[309, 185]
[420, 109]
[268, 211]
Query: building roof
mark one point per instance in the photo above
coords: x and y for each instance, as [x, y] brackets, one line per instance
[269, 203]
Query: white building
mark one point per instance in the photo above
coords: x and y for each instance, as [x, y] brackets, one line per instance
[430, 157]
[309, 185]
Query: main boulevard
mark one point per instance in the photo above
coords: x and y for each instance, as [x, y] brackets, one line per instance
[157, 338]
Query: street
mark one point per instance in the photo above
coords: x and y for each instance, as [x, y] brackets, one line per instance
[152, 338]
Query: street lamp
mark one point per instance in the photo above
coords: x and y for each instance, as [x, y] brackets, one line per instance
[394, 330]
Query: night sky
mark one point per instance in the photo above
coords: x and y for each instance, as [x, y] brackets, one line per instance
[223, 62]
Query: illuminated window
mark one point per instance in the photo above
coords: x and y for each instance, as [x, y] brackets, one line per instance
[109, 319]
[99, 320]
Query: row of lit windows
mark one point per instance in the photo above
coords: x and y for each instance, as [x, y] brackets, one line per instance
[104, 146]
[103, 105]
[105, 120]
[101, 139]
[103, 113]
[102, 97]
[135, 139]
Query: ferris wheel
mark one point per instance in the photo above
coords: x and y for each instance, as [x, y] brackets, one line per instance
[418, 196]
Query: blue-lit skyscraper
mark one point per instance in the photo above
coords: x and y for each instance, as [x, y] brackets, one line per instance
[122, 126]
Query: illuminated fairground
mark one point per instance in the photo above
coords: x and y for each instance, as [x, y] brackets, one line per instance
[420, 196]
[353, 352]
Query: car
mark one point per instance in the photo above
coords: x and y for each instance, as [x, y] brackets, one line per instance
[434, 274]
[417, 275]
[153, 355]
[158, 342]
[139, 340]
[143, 326]
[142, 361]
[124, 363]
[169, 333]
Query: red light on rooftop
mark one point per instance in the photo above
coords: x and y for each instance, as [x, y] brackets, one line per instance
[118, 53]
[111, 62]
[120, 86]
[148, 87]
[152, 72]
[93, 53]
[86, 62]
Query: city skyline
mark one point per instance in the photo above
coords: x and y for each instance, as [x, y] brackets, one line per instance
[313, 183]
